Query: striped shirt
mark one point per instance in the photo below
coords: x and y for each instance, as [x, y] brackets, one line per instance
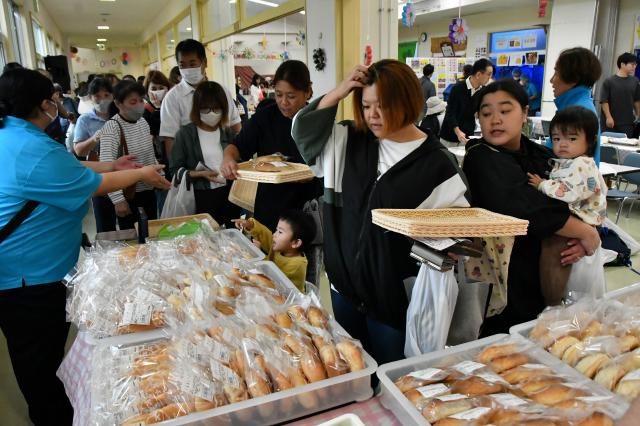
[139, 142]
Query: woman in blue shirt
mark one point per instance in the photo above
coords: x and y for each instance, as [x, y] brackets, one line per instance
[576, 71]
[39, 251]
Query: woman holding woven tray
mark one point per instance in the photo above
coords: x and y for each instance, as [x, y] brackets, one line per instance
[496, 167]
[269, 132]
[379, 160]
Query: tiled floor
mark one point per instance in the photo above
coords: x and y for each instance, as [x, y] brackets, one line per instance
[13, 410]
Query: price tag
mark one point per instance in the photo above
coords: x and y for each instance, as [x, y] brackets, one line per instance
[426, 374]
[137, 313]
[472, 414]
[508, 400]
[594, 398]
[491, 378]
[218, 350]
[452, 397]
[431, 391]
[224, 374]
[468, 367]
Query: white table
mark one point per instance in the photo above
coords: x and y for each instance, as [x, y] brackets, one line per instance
[623, 150]
[608, 169]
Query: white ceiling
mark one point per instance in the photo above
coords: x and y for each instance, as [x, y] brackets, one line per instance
[127, 19]
[468, 10]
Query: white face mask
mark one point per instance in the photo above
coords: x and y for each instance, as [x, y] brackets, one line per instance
[102, 106]
[192, 76]
[157, 96]
[52, 117]
[211, 118]
[135, 113]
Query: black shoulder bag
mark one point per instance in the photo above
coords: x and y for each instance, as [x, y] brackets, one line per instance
[16, 220]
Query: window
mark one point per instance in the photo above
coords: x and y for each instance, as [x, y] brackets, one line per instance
[218, 15]
[184, 28]
[3, 57]
[38, 38]
[169, 42]
[51, 46]
[16, 21]
[254, 7]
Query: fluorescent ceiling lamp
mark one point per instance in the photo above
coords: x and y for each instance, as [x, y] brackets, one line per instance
[188, 28]
[108, 0]
[103, 27]
[101, 39]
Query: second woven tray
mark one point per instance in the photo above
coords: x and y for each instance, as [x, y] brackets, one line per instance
[440, 223]
[295, 173]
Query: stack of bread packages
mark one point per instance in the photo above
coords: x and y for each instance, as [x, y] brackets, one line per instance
[600, 339]
[234, 332]
[506, 383]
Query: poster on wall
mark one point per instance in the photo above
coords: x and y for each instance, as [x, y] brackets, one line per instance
[446, 70]
[437, 44]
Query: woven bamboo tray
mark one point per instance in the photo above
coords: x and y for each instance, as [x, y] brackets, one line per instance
[449, 223]
[297, 172]
[243, 194]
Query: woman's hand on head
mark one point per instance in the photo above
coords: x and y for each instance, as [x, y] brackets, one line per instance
[151, 176]
[356, 78]
[126, 162]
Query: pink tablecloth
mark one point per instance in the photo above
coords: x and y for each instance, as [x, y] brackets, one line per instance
[371, 412]
[75, 374]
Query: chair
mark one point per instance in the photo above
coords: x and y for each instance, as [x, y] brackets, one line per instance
[609, 154]
[622, 197]
[614, 135]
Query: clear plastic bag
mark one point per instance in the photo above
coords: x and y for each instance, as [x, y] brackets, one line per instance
[181, 199]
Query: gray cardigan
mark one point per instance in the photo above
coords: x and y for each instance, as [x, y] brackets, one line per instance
[186, 151]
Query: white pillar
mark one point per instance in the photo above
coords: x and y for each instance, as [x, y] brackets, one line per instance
[572, 25]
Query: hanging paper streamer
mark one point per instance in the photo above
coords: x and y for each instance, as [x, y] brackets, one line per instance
[542, 8]
[319, 58]
[408, 15]
[368, 55]
[458, 31]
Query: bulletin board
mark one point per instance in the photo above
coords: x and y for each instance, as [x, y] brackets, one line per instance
[446, 70]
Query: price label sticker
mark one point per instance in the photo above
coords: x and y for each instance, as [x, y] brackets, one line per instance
[137, 313]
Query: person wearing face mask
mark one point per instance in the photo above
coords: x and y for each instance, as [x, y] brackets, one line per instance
[379, 160]
[268, 132]
[176, 108]
[86, 134]
[198, 149]
[127, 132]
[43, 200]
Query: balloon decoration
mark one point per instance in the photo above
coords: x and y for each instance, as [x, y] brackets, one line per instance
[368, 55]
[125, 58]
[284, 56]
[264, 42]
[408, 15]
[319, 58]
[458, 30]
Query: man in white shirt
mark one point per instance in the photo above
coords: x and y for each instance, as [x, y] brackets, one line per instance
[176, 106]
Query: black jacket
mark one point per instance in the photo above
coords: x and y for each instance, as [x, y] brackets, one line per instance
[498, 182]
[366, 263]
[459, 113]
[268, 132]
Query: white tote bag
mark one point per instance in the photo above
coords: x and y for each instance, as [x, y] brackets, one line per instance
[433, 301]
[180, 200]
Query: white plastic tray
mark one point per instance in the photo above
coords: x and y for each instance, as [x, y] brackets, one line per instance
[523, 329]
[344, 420]
[621, 293]
[393, 399]
[332, 392]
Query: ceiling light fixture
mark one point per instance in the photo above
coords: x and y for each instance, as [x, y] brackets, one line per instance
[108, 1]
[101, 39]
[103, 27]
[262, 2]
[188, 28]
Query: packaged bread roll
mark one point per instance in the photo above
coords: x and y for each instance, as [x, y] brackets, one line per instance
[475, 385]
[561, 345]
[555, 394]
[489, 353]
[317, 317]
[333, 363]
[629, 385]
[351, 353]
[596, 419]
[508, 362]
[524, 372]
[537, 384]
[477, 416]
[437, 409]
[590, 364]
[420, 378]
